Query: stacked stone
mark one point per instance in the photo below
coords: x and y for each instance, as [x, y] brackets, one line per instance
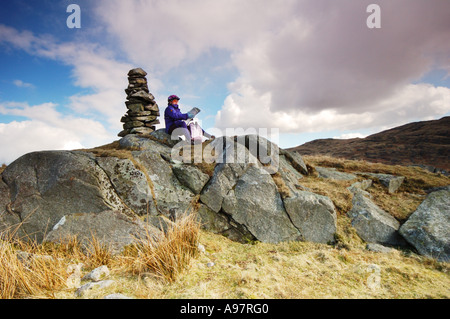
[143, 112]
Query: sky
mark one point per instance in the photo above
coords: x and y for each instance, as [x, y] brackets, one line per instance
[300, 69]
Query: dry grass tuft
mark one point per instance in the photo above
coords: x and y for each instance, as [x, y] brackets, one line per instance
[30, 270]
[281, 185]
[98, 254]
[336, 190]
[168, 256]
[69, 247]
[111, 150]
[29, 274]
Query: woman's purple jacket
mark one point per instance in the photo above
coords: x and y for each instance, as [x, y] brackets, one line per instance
[173, 114]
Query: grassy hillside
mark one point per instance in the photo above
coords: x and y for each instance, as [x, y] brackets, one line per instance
[303, 270]
[227, 269]
[421, 143]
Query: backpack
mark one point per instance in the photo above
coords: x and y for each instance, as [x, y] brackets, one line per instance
[196, 131]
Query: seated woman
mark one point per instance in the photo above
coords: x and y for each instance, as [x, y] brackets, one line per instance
[176, 120]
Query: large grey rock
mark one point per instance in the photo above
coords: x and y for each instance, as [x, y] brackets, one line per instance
[261, 148]
[224, 178]
[45, 186]
[69, 192]
[295, 160]
[8, 218]
[360, 186]
[221, 223]
[129, 183]
[191, 177]
[255, 202]
[155, 159]
[372, 223]
[428, 228]
[248, 195]
[391, 182]
[165, 138]
[314, 215]
[332, 173]
[138, 143]
[169, 193]
[234, 160]
[111, 228]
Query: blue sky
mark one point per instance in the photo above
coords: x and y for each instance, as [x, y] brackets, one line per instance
[306, 69]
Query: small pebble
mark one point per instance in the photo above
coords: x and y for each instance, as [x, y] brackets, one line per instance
[99, 273]
[201, 248]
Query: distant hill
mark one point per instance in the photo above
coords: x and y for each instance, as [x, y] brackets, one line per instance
[425, 143]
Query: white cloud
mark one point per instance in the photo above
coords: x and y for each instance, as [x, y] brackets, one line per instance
[22, 40]
[46, 129]
[325, 70]
[96, 115]
[414, 101]
[19, 138]
[21, 84]
[94, 68]
[350, 135]
[165, 34]
[303, 65]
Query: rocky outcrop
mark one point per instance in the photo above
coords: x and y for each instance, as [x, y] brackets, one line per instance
[391, 182]
[170, 196]
[129, 183]
[332, 173]
[45, 186]
[60, 193]
[141, 188]
[191, 177]
[361, 186]
[314, 215]
[373, 224]
[428, 228]
[254, 201]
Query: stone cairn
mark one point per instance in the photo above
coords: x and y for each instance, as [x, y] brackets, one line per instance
[143, 112]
